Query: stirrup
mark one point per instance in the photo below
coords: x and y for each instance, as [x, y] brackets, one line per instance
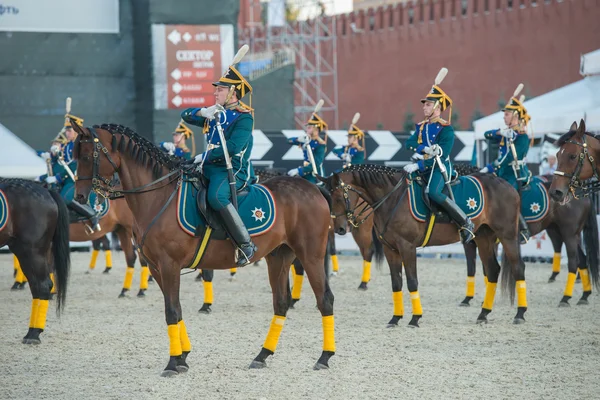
[469, 232]
[243, 260]
[524, 237]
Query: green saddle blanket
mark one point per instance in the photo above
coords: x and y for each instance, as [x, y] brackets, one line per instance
[98, 203]
[3, 210]
[535, 201]
[468, 195]
[256, 208]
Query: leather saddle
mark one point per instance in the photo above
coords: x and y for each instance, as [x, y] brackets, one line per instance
[440, 214]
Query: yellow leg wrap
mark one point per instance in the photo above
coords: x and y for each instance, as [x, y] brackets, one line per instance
[556, 263]
[490, 293]
[144, 277]
[208, 292]
[416, 303]
[585, 280]
[186, 345]
[366, 277]
[233, 271]
[108, 258]
[297, 288]
[521, 294]
[128, 278]
[16, 264]
[93, 259]
[328, 333]
[53, 291]
[570, 284]
[174, 340]
[334, 262]
[42, 310]
[485, 280]
[34, 309]
[470, 286]
[398, 304]
[274, 333]
[20, 277]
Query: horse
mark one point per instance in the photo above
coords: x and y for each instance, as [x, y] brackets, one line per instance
[34, 225]
[150, 180]
[385, 191]
[564, 224]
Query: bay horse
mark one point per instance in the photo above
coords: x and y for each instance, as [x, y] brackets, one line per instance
[150, 179]
[385, 190]
[34, 225]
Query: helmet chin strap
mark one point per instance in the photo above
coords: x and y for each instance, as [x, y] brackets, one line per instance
[437, 104]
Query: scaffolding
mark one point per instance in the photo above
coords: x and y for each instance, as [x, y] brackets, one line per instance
[312, 39]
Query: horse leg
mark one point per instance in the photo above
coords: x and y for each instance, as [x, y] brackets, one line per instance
[108, 253]
[207, 276]
[409, 257]
[130, 257]
[278, 263]
[471, 255]
[585, 278]
[94, 258]
[179, 342]
[512, 251]
[557, 242]
[232, 273]
[36, 270]
[572, 245]
[395, 262]
[199, 276]
[363, 238]
[298, 274]
[333, 252]
[20, 278]
[487, 253]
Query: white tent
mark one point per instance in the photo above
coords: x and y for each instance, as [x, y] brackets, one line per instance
[554, 112]
[17, 159]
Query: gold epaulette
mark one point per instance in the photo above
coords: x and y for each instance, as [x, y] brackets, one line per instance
[440, 120]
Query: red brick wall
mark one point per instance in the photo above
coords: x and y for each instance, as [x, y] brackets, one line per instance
[488, 51]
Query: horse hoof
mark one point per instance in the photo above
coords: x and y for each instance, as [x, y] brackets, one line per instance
[167, 373]
[362, 286]
[123, 292]
[257, 364]
[89, 271]
[232, 278]
[31, 341]
[333, 273]
[551, 280]
[391, 325]
[15, 286]
[518, 321]
[106, 271]
[563, 304]
[205, 309]
[319, 366]
[481, 321]
[464, 304]
[142, 293]
[182, 368]
[293, 303]
[583, 302]
[51, 297]
[413, 325]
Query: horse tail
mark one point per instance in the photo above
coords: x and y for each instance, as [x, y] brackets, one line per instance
[327, 196]
[507, 278]
[377, 249]
[590, 241]
[61, 250]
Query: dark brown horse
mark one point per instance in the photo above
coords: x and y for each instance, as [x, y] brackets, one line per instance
[385, 190]
[35, 227]
[150, 180]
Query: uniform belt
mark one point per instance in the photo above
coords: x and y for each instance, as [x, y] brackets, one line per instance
[520, 162]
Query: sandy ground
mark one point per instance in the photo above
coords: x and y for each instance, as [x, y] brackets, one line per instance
[108, 348]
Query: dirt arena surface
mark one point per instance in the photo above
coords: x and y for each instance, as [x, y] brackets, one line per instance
[104, 347]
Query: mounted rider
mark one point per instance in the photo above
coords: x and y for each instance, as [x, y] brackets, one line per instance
[434, 138]
[314, 126]
[513, 143]
[237, 122]
[178, 146]
[62, 169]
[354, 152]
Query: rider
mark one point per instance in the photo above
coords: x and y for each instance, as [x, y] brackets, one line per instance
[314, 127]
[354, 152]
[514, 134]
[178, 147]
[433, 138]
[62, 160]
[237, 122]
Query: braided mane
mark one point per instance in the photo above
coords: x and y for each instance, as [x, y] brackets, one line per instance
[377, 175]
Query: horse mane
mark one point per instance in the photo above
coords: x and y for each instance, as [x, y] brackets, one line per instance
[376, 175]
[563, 139]
[464, 169]
[141, 150]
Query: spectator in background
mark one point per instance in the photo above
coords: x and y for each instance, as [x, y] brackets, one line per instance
[549, 166]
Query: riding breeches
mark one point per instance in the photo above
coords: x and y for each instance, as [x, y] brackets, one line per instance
[436, 185]
[219, 194]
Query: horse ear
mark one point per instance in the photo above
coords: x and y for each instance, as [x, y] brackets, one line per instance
[582, 126]
[77, 128]
[573, 127]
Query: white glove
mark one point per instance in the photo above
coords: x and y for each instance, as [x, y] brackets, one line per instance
[199, 158]
[50, 180]
[484, 170]
[434, 150]
[45, 156]
[410, 168]
[209, 112]
[303, 139]
[347, 157]
[417, 156]
[506, 132]
[55, 149]
[293, 172]
[170, 147]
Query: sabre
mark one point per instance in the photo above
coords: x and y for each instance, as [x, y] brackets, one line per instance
[442, 167]
[238, 57]
[306, 145]
[61, 161]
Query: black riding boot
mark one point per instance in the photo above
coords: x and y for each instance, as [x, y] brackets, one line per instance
[524, 234]
[85, 211]
[466, 225]
[239, 234]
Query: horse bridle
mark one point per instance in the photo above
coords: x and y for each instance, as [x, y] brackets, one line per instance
[575, 184]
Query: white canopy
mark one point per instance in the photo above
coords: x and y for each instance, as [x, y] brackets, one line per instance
[554, 112]
[17, 159]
